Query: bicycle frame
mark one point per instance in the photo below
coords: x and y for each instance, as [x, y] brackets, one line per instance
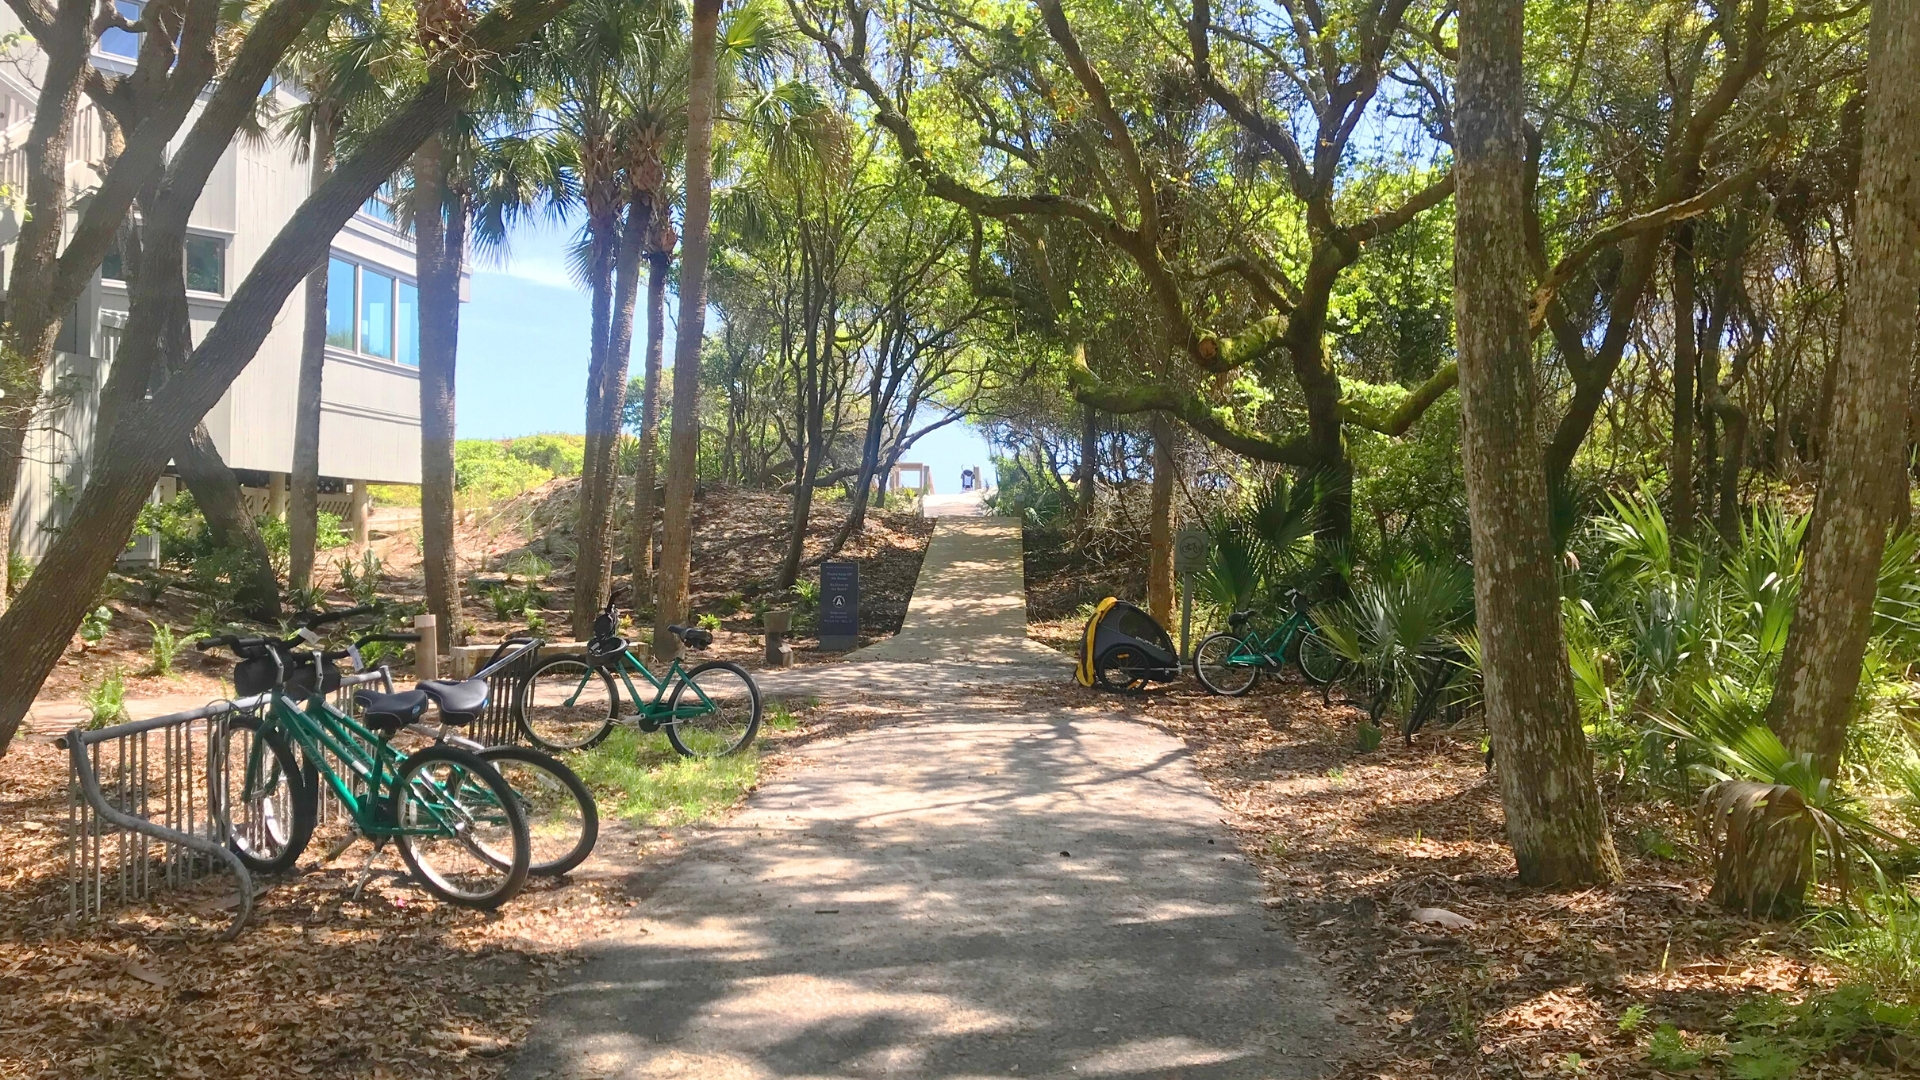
[652, 714]
[1270, 649]
[327, 735]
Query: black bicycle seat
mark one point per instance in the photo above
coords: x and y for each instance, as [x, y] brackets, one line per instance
[692, 636]
[610, 645]
[460, 702]
[390, 712]
[1239, 618]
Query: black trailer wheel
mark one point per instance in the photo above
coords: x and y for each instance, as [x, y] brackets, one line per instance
[1122, 669]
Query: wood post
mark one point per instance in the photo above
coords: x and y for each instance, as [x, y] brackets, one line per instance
[426, 655]
[357, 512]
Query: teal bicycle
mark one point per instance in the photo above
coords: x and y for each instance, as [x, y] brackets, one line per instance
[1230, 663]
[457, 823]
[572, 701]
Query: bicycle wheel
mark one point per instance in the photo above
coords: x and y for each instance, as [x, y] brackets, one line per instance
[1225, 666]
[562, 819]
[720, 716]
[460, 828]
[259, 795]
[1117, 669]
[1318, 661]
[568, 703]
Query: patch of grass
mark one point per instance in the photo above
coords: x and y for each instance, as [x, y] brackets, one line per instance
[639, 778]
[779, 717]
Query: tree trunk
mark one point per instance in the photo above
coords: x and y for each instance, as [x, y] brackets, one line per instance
[217, 492]
[869, 459]
[683, 450]
[606, 396]
[303, 493]
[1089, 454]
[32, 316]
[1685, 364]
[1160, 528]
[439, 227]
[131, 451]
[640, 535]
[1555, 820]
[1860, 457]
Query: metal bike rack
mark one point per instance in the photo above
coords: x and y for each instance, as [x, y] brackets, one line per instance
[506, 675]
[140, 820]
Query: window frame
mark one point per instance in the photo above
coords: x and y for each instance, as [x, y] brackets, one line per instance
[395, 334]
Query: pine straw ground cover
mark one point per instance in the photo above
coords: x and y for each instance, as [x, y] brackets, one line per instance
[395, 985]
[1640, 979]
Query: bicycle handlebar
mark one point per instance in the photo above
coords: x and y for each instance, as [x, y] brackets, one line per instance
[236, 641]
[401, 639]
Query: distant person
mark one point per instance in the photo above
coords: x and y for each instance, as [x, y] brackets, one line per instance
[966, 479]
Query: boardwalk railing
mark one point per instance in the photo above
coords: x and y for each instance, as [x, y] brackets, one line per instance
[142, 813]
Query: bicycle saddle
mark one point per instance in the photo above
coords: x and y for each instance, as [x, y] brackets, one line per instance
[1239, 618]
[460, 702]
[693, 636]
[389, 713]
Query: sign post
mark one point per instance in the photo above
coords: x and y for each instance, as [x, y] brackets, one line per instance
[839, 606]
[1190, 550]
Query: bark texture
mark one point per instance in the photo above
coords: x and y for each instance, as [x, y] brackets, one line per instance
[683, 448]
[646, 461]
[1685, 364]
[1555, 820]
[1160, 525]
[1862, 453]
[439, 239]
[606, 396]
[303, 491]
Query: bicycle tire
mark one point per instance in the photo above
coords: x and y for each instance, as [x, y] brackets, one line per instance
[685, 743]
[1115, 670]
[1215, 686]
[558, 861]
[282, 814]
[509, 828]
[578, 727]
[1317, 660]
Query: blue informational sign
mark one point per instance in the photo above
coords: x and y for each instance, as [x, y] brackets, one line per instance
[839, 605]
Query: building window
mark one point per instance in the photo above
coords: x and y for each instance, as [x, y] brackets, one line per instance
[408, 311]
[207, 264]
[340, 303]
[372, 313]
[117, 42]
[112, 266]
[376, 314]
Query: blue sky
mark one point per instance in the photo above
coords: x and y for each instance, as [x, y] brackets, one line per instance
[523, 355]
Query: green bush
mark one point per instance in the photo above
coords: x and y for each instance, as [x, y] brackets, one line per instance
[166, 647]
[105, 698]
[561, 455]
[484, 471]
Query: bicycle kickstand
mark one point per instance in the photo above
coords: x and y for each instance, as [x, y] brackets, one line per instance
[366, 871]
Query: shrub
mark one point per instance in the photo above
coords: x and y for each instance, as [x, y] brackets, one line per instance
[362, 580]
[105, 698]
[561, 455]
[18, 570]
[166, 647]
[94, 625]
[484, 471]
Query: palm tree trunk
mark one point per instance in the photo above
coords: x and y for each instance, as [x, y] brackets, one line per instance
[439, 226]
[640, 536]
[606, 395]
[1860, 457]
[1555, 820]
[303, 491]
[683, 449]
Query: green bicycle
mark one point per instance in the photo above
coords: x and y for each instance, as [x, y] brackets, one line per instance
[456, 821]
[1230, 663]
[571, 701]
